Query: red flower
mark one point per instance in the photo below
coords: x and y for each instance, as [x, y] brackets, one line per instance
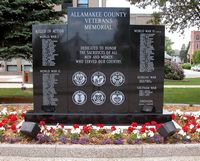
[147, 124]
[198, 126]
[13, 127]
[113, 128]
[194, 123]
[185, 128]
[4, 121]
[75, 126]
[42, 123]
[143, 129]
[173, 116]
[193, 130]
[51, 130]
[86, 129]
[134, 124]
[158, 126]
[22, 114]
[100, 125]
[153, 122]
[12, 117]
[152, 129]
[130, 129]
[1, 124]
[62, 125]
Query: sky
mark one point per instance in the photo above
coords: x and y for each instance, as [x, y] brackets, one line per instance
[177, 38]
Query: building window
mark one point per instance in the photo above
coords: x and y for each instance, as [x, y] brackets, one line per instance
[12, 68]
[27, 68]
[82, 3]
[197, 37]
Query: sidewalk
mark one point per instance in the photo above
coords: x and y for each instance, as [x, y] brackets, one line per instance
[10, 79]
[15, 85]
[181, 86]
[144, 152]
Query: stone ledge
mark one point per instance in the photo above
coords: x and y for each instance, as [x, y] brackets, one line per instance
[100, 151]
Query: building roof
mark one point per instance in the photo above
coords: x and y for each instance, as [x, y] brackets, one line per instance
[167, 56]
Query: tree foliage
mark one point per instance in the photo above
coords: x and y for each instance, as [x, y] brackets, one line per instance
[178, 14]
[168, 46]
[196, 57]
[16, 19]
[183, 53]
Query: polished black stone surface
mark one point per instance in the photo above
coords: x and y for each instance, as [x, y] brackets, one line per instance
[98, 69]
[99, 47]
[108, 119]
[49, 67]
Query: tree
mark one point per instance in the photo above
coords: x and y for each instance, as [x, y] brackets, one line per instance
[196, 57]
[183, 53]
[178, 14]
[168, 46]
[16, 19]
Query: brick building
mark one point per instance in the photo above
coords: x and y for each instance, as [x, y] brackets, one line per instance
[194, 43]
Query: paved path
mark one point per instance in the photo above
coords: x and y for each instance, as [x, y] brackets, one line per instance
[188, 158]
[10, 78]
[15, 85]
[181, 86]
[191, 74]
[144, 152]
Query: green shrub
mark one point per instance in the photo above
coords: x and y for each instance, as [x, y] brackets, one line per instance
[186, 66]
[173, 71]
[196, 57]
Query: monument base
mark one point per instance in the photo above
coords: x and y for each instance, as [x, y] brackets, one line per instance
[108, 119]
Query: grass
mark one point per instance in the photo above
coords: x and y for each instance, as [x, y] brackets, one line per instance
[13, 92]
[182, 95]
[186, 81]
[171, 95]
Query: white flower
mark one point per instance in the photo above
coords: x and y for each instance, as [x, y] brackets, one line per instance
[144, 135]
[135, 131]
[13, 112]
[117, 131]
[150, 134]
[181, 132]
[138, 137]
[96, 128]
[179, 112]
[65, 131]
[191, 126]
[76, 131]
[188, 113]
[4, 111]
[198, 121]
[198, 130]
[184, 118]
[188, 137]
[2, 128]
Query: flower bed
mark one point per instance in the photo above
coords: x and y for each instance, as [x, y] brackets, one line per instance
[189, 131]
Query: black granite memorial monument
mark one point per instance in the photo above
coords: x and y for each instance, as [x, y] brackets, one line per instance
[98, 69]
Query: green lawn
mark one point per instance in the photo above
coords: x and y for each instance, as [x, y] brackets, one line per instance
[171, 95]
[187, 81]
[10, 92]
[182, 95]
